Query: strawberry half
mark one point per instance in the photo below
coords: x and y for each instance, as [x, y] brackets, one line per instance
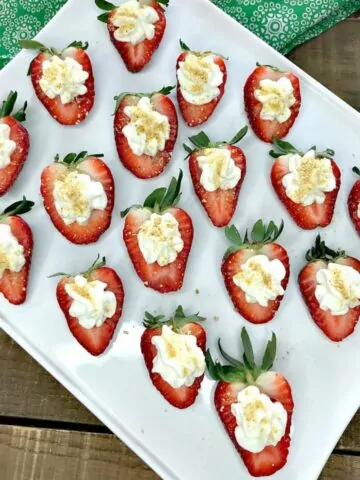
[335, 327]
[266, 129]
[135, 56]
[18, 134]
[261, 243]
[221, 203]
[195, 115]
[354, 201]
[184, 396]
[99, 220]
[308, 216]
[235, 377]
[96, 339]
[169, 277]
[77, 110]
[13, 285]
[145, 166]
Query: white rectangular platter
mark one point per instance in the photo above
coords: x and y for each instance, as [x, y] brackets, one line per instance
[190, 444]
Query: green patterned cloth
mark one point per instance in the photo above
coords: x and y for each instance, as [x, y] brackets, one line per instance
[281, 23]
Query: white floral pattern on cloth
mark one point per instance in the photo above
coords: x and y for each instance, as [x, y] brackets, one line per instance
[282, 23]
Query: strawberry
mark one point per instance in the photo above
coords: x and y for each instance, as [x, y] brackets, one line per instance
[169, 276]
[237, 376]
[99, 220]
[354, 201]
[180, 323]
[261, 242]
[219, 204]
[145, 166]
[96, 339]
[13, 285]
[72, 112]
[137, 55]
[335, 327]
[305, 216]
[17, 134]
[195, 115]
[266, 129]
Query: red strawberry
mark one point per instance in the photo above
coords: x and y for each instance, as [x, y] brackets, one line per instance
[98, 171]
[95, 340]
[145, 166]
[220, 204]
[316, 214]
[354, 200]
[266, 129]
[135, 56]
[17, 134]
[167, 278]
[13, 285]
[236, 377]
[195, 115]
[77, 110]
[335, 327]
[261, 243]
[181, 397]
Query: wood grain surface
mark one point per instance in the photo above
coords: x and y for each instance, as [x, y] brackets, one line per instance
[46, 434]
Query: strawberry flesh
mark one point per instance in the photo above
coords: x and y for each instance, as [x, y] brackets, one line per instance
[168, 278]
[353, 202]
[266, 129]
[99, 220]
[335, 327]
[145, 166]
[272, 458]
[95, 340]
[73, 112]
[195, 115]
[137, 56]
[311, 216]
[181, 397]
[220, 205]
[253, 312]
[20, 136]
[13, 285]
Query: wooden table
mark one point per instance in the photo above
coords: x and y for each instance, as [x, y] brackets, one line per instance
[45, 434]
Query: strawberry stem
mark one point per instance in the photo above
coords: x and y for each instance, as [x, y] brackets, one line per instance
[185, 48]
[285, 148]
[8, 106]
[237, 371]
[74, 159]
[94, 266]
[78, 44]
[260, 235]
[162, 198]
[356, 170]
[17, 208]
[163, 91]
[177, 321]
[276, 69]
[163, 2]
[201, 141]
[320, 251]
[104, 5]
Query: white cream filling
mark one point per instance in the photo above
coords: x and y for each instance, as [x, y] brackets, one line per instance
[179, 360]
[135, 22]
[76, 196]
[199, 78]
[218, 169]
[92, 304]
[159, 239]
[260, 279]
